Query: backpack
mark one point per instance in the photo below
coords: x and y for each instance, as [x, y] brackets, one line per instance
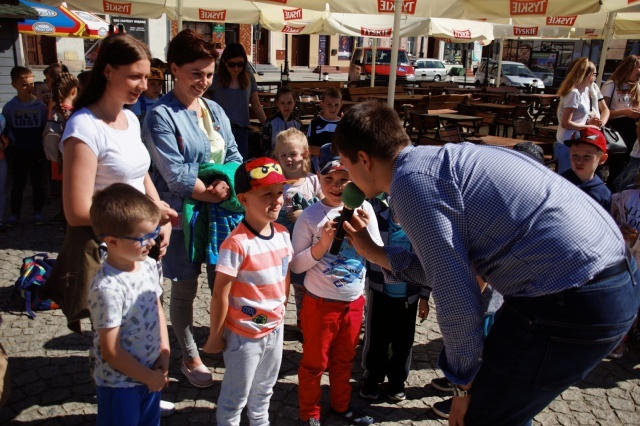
[33, 273]
[51, 136]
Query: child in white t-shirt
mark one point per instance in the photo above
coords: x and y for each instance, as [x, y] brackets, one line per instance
[131, 342]
[333, 304]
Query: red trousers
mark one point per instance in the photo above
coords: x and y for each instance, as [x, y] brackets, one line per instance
[330, 331]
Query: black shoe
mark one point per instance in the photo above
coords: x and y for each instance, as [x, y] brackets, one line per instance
[369, 390]
[354, 417]
[442, 408]
[442, 384]
[310, 422]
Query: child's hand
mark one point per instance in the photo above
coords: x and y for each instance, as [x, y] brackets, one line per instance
[595, 121]
[162, 363]
[293, 215]
[214, 345]
[327, 233]
[157, 381]
[629, 233]
[423, 310]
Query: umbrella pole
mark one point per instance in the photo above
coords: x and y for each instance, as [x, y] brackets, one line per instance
[394, 52]
[179, 12]
[498, 77]
[374, 47]
[608, 33]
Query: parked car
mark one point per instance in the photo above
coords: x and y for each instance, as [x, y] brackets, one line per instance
[429, 69]
[513, 74]
[360, 66]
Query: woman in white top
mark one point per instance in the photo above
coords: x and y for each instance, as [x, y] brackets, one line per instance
[622, 94]
[101, 145]
[574, 109]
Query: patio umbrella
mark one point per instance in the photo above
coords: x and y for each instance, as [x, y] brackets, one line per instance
[95, 27]
[52, 21]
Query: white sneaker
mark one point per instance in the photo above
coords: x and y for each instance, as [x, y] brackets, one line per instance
[166, 408]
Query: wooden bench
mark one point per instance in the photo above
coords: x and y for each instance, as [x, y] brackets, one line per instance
[446, 101]
[355, 93]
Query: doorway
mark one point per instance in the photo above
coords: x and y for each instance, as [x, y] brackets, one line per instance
[323, 50]
[300, 50]
[40, 50]
[263, 47]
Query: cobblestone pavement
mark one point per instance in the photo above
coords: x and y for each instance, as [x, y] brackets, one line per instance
[51, 383]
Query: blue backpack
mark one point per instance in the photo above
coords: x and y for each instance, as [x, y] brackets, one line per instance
[33, 273]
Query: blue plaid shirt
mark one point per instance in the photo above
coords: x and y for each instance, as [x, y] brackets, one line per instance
[491, 211]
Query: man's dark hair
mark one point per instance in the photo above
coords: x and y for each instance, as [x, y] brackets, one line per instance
[372, 127]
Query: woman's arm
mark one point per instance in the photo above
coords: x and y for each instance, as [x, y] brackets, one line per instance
[80, 166]
[256, 106]
[568, 123]
[604, 111]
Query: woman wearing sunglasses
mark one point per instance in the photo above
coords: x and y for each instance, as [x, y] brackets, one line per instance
[234, 88]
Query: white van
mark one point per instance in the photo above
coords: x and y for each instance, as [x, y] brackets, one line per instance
[513, 74]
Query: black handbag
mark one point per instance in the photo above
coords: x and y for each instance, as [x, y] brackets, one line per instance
[615, 143]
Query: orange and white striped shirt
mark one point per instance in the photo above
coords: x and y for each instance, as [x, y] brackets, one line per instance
[260, 265]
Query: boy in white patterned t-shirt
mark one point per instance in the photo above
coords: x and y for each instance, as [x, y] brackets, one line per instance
[131, 344]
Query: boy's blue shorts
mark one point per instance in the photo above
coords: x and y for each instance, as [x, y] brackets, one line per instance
[128, 406]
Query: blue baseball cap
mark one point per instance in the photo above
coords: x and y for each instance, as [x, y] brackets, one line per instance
[329, 162]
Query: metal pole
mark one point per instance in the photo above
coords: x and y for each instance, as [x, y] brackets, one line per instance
[422, 46]
[391, 93]
[500, 62]
[608, 33]
[286, 54]
[179, 12]
[374, 47]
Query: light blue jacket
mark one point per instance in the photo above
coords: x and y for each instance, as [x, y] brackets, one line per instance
[178, 146]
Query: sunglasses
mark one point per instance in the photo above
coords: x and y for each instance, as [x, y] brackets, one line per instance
[235, 64]
[144, 240]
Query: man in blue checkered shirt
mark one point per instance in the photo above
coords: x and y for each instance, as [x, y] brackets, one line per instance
[557, 257]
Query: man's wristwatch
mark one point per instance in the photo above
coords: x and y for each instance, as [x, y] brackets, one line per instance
[459, 392]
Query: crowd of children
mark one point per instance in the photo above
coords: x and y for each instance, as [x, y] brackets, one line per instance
[292, 197]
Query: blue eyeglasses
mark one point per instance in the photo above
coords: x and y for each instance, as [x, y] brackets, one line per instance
[144, 240]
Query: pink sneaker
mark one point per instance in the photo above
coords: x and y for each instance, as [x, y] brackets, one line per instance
[199, 377]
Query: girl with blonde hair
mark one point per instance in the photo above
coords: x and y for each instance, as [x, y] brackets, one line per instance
[292, 152]
[574, 107]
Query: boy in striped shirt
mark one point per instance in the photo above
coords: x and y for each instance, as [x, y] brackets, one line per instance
[250, 295]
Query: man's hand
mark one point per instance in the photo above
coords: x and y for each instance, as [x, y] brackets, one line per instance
[459, 407]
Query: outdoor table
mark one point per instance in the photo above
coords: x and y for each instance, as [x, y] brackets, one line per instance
[266, 95]
[313, 91]
[504, 142]
[397, 98]
[463, 90]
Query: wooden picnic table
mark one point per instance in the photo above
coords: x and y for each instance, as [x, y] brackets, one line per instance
[397, 97]
[266, 95]
[463, 90]
[493, 107]
[506, 142]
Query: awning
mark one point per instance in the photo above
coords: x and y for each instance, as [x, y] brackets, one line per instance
[95, 27]
[53, 21]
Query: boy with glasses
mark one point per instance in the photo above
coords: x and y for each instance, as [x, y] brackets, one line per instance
[131, 343]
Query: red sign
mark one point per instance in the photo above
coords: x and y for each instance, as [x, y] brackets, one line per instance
[528, 7]
[563, 21]
[369, 32]
[525, 31]
[212, 15]
[116, 8]
[292, 14]
[388, 6]
[291, 30]
[462, 34]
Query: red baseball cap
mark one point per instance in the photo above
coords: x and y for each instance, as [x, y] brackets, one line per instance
[590, 136]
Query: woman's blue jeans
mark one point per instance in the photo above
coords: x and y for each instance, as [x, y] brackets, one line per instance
[539, 346]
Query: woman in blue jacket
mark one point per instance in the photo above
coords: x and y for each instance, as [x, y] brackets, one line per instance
[183, 131]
